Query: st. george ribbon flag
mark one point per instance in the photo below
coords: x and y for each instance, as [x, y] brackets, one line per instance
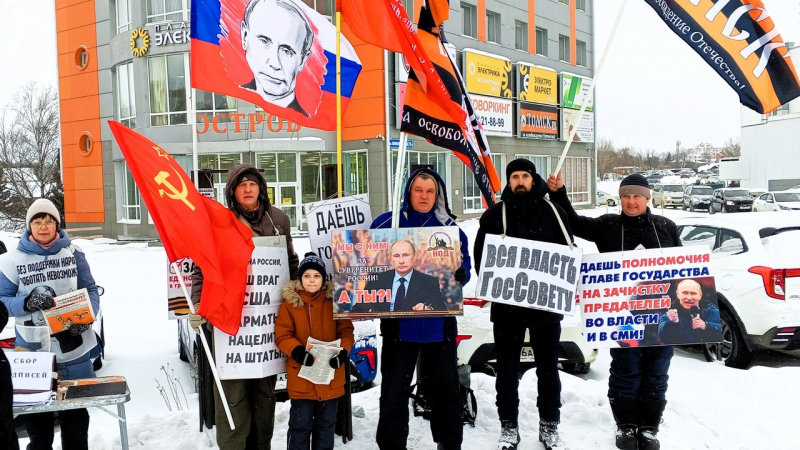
[739, 40]
[277, 54]
[192, 225]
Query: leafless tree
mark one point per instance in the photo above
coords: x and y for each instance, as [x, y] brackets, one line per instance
[732, 147]
[29, 152]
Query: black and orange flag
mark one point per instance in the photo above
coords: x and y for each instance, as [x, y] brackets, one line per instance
[422, 117]
[192, 225]
[739, 40]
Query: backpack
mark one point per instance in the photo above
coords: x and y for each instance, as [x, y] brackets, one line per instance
[466, 396]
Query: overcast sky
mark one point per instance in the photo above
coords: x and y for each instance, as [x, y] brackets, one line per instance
[652, 91]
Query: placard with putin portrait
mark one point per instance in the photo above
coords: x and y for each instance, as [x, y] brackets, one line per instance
[649, 297]
[398, 272]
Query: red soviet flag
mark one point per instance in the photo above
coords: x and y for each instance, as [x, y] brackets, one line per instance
[192, 225]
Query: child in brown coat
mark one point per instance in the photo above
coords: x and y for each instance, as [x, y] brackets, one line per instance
[307, 311]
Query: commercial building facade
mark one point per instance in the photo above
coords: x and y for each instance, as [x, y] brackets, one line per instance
[526, 63]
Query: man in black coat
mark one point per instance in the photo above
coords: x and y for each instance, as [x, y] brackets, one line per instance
[637, 385]
[528, 216]
[405, 283]
[8, 436]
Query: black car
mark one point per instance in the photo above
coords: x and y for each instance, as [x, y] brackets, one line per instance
[697, 197]
[728, 200]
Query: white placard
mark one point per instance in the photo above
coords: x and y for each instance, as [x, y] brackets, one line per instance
[585, 131]
[495, 114]
[252, 353]
[529, 274]
[344, 213]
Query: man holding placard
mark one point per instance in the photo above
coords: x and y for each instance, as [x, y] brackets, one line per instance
[251, 401]
[524, 213]
[637, 385]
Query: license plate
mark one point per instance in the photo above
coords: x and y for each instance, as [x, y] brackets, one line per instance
[793, 288]
[526, 354]
[744, 207]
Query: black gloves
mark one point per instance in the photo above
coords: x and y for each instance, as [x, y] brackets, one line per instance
[302, 357]
[339, 359]
[460, 275]
[77, 329]
[38, 300]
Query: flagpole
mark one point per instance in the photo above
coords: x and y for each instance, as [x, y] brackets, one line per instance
[577, 120]
[339, 174]
[193, 118]
[398, 179]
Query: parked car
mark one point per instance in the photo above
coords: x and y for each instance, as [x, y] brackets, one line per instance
[756, 268]
[604, 198]
[668, 194]
[727, 200]
[697, 197]
[476, 342]
[8, 337]
[653, 179]
[363, 356]
[777, 201]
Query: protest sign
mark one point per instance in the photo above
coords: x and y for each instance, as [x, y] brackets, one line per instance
[529, 274]
[68, 309]
[344, 213]
[649, 298]
[368, 265]
[33, 377]
[177, 305]
[252, 352]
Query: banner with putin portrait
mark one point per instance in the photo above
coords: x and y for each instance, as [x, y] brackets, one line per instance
[649, 297]
[396, 272]
[277, 54]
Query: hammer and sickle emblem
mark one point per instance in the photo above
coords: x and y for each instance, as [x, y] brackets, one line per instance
[174, 194]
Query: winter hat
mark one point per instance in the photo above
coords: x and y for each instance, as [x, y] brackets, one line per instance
[634, 184]
[42, 206]
[520, 164]
[312, 261]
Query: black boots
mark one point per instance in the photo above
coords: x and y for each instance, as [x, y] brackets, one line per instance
[548, 435]
[625, 414]
[509, 436]
[650, 412]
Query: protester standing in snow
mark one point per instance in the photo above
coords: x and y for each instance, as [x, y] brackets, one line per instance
[527, 216]
[251, 401]
[45, 265]
[637, 385]
[307, 311]
[432, 339]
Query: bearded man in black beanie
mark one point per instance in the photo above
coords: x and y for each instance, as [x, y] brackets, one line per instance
[528, 216]
[637, 385]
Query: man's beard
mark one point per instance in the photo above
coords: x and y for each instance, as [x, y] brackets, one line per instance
[521, 190]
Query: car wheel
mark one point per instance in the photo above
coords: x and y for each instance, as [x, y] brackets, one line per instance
[691, 207]
[182, 352]
[576, 368]
[732, 350]
[487, 368]
[711, 209]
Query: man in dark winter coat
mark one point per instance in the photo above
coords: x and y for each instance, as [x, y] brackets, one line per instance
[431, 339]
[252, 402]
[528, 216]
[637, 385]
[8, 435]
[687, 322]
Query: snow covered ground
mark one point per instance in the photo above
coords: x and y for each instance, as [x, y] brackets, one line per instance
[710, 406]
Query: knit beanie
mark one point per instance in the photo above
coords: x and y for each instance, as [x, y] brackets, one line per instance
[520, 164]
[634, 184]
[42, 206]
[312, 261]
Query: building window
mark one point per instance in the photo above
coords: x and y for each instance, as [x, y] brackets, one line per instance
[541, 41]
[580, 5]
[437, 160]
[354, 168]
[541, 162]
[324, 7]
[409, 6]
[473, 201]
[219, 162]
[520, 35]
[580, 54]
[128, 197]
[168, 89]
[167, 11]
[563, 48]
[576, 179]
[126, 98]
[782, 110]
[123, 15]
[469, 20]
[210, 104]
[492, 27]
[564, 2]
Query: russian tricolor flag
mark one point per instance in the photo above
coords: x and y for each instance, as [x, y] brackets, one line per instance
[278, 54]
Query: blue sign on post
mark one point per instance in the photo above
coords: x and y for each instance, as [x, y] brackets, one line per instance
[395, 143]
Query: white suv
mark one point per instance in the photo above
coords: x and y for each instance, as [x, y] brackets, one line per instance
[476, 342]
[756, 266]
